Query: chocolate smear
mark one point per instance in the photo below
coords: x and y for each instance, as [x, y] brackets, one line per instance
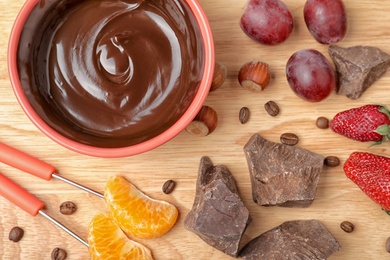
[218, 215]
[282, 175]
[358, 67]
[297, 239]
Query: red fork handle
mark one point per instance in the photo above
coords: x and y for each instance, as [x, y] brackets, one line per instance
[20, 197]
[25, 162]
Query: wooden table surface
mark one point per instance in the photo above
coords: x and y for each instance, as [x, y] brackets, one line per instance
[338, 199]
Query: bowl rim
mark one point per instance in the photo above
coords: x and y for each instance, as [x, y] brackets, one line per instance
[167, 135]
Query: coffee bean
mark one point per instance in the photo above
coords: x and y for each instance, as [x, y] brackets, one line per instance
[68, 208]
[347, 226]
[16, 234]
[322, 122]
[388, 245]
[58, 254]
[272, 108]
[332, 161]
[168, 186]
[289, 139]
[243, 115]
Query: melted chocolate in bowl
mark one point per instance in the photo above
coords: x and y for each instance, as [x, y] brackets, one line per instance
[110, 73]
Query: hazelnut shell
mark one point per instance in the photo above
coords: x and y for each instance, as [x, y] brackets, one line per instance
[220, 74]
[204, 123]
[254, 76]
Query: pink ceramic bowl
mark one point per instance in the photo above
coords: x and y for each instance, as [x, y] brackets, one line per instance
[208, 60]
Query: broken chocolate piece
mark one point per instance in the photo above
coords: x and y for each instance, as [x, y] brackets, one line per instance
[358, 67]
[218, 215]
[282, 175]
[298, 239]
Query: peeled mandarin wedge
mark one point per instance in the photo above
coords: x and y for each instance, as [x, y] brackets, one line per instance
[135, 213]
[107, 241]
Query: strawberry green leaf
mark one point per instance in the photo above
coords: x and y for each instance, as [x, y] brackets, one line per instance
[383, 130]
[385, 138]
[375, 143]
[384, 110]
[387, 211]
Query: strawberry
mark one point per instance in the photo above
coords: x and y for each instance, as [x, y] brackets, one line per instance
[364, 124]
[372, 174]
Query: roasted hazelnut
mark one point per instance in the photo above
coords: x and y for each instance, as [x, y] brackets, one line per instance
[220, 74]
[204, 123]
[254, 76]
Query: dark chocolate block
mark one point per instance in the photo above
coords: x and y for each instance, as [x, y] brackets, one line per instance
[358, 67]
[298, 239]
[218, 215]
[282, 175]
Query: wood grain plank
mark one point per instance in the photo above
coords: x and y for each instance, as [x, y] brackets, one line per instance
[337, 199]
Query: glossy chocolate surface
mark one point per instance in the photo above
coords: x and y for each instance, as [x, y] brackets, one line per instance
[110, 73]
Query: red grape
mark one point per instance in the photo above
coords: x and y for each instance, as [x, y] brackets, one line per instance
[267, 21]
[326, 20]
[310, 75]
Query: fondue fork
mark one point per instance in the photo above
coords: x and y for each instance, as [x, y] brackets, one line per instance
[29, 203]
[34, 166]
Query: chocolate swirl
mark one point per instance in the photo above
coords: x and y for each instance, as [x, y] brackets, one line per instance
[112, 73]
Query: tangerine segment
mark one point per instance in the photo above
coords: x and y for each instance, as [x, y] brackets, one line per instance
[135, 213]
[108, 242]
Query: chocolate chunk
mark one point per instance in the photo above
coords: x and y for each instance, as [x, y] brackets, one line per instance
[218, 215]
[282, 175]
[358, 68]
[298, 239]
